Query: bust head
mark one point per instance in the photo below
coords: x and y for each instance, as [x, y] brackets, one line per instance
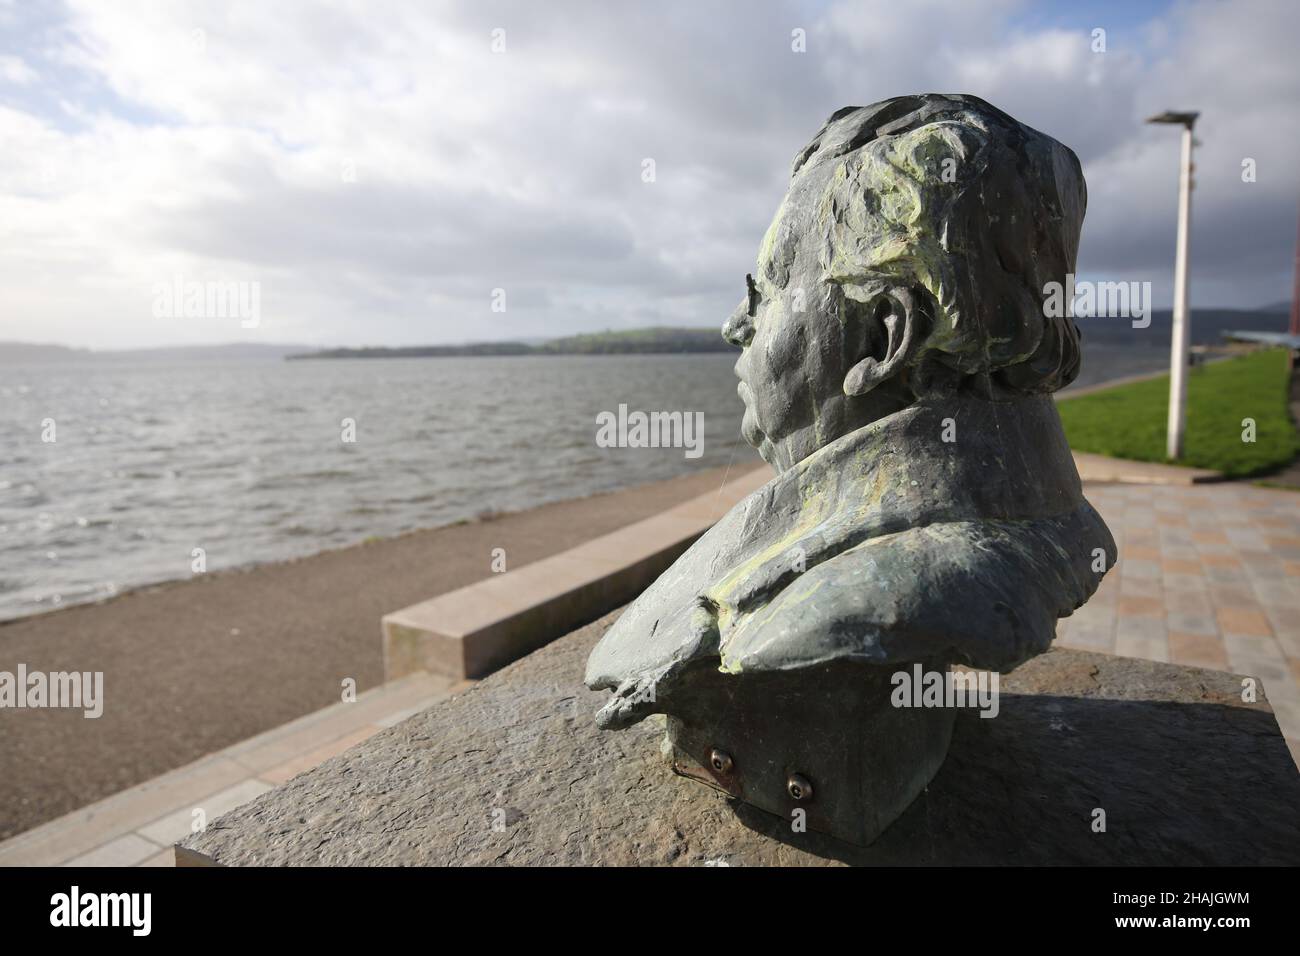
[907, 261]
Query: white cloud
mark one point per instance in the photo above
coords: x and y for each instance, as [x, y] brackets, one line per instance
[380, 170]
[13, 69]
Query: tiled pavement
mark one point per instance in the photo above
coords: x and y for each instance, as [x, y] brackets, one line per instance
[138, 826]
[1208, 575]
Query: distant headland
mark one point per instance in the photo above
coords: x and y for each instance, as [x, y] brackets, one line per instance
[1209, 326]
[657, 340]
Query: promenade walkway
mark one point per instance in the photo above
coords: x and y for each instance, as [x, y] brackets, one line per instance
[138, 826]
[1208, 575]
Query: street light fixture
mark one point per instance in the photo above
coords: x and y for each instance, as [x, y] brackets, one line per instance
[1182, 322]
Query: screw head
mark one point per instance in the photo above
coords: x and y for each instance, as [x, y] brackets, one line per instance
[721, 761]
[799, 787]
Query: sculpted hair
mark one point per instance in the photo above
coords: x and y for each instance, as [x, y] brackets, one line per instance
[951, 195]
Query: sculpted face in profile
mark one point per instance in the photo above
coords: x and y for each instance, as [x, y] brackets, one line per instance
[918, 252]
[896, 368]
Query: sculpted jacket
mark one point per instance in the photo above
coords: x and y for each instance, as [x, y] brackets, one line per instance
[888, 545]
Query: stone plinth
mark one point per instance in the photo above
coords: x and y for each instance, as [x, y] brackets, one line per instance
[514, 771]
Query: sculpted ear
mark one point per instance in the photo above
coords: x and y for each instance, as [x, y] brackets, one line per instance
[897, 327]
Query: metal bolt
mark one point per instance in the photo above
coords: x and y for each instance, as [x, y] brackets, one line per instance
[799, 787]
[721, 761]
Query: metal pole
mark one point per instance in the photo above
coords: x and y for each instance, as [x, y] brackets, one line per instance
[1295, 288]
[1178, 345]
[1295, 302]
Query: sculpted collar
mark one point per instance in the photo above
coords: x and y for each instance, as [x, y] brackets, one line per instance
[912, 543]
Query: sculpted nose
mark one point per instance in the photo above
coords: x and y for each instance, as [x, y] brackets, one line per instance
[739, 328]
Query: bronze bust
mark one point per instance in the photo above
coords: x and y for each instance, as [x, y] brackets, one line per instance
[896, 366]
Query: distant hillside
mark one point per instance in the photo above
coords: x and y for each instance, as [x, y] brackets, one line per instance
[658, 341]
[1284, 307]
[1208, 326]
[420, 351]
[33, 352]
[36, 352]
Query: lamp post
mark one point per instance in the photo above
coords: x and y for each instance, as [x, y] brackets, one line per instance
[1181, 331]
[1295, 296]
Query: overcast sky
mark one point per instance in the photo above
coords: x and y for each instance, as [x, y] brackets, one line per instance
[379, 170]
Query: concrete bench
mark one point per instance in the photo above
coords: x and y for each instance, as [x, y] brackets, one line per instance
[476, 629]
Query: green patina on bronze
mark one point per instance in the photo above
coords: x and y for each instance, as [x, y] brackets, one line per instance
[896, 363]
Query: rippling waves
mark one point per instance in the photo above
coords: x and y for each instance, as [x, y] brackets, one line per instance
[245, 459]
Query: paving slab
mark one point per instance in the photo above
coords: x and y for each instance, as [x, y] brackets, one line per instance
[1215, 556]
[130, 849]
[1101, 468]
[177, 825]
[93, 826]
[134, 827]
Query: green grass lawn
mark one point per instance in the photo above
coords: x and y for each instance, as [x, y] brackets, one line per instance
[1129, 421]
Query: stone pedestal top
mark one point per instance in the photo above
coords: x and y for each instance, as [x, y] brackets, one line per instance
[514, 771]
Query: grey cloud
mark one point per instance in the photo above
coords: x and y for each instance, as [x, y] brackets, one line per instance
[529, 179]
